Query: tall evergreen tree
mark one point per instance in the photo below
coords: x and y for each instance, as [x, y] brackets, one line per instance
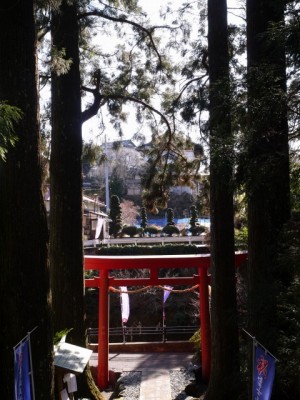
[115, 215]
[224, 380]
[144, 219]
[66, 245]
[170, 216]
[268, 161]
[24, 264]
[193, 216]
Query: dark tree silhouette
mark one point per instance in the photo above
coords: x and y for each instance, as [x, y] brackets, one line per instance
[115, 214]
[224, 380]
[24, 264]
[267, 174]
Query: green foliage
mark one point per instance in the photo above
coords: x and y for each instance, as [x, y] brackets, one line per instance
[295, 186]
[153, 250]
[181, 203]
[59, 335]
[9, 116]
[287, 386]
[194, 217]
[197, 230]
[116, 185]
[196, 340]
[167, 166]
[60, 64]
[289, 340]
[170, 230]
[130, 230]
[241, 238]
[151, 230]
[115, 215]
[170, 217]
[92, 154]
[144, 220]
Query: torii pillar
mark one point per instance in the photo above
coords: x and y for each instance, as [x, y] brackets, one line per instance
[205, 323]
[103, 331]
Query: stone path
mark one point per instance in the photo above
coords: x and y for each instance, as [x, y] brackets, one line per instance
[155, 367]
[155, 385]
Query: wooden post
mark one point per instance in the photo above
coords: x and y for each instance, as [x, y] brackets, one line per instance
[205, 323]
[103, 336]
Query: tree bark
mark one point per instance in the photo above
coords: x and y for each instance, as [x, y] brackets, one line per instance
[66, 237]
[268, 166]
[66, 247]
[24, 283]
[224, 380]
[268, 163]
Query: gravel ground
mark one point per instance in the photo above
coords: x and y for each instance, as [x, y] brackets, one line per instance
[132, 383]
[179, 380]
[129, 385]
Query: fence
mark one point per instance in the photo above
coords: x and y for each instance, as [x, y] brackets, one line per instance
[144, 334]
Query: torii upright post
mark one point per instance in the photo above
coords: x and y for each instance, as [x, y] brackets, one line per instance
[103, 335]
[205, 323]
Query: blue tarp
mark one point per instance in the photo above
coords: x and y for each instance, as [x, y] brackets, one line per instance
[163, 221]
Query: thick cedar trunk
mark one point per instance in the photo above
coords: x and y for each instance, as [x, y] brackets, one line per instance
[225, 348]
[268, 173]
[24, 278]
[66, 241]
[268, 163]
[66, 247]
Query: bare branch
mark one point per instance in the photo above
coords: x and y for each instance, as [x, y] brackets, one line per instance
[94, 108]
[98, 98]
[121, 19]
[187, 84]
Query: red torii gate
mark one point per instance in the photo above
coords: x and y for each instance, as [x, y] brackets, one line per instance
[154, 263]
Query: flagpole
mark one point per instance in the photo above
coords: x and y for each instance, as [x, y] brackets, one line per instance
[253, 364]
[24, 338]
[30, 373]
[31, 365]
[257, 342]
[262, 359]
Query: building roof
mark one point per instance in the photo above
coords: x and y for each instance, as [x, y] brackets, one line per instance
[119, 143]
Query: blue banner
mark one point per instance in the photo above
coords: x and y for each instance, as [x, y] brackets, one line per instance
[21, 367]
[263, 374]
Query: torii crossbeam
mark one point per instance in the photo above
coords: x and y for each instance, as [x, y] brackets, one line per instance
[153, 263]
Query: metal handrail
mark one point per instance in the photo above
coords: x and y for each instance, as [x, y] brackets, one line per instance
[130, 332]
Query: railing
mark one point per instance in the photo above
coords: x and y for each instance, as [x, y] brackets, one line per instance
[162, 240]
[145, 333]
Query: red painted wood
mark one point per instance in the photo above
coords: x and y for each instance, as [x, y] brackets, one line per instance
[103, 334]
[92, 283]
[154, 264]
[205, 324]
[138, 262]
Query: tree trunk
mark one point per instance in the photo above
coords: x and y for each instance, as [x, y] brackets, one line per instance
[66, 247]
[24, 284]
[224, 380]
[66, 238]
[268, 163]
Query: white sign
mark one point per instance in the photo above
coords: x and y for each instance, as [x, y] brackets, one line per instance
[70, 357]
